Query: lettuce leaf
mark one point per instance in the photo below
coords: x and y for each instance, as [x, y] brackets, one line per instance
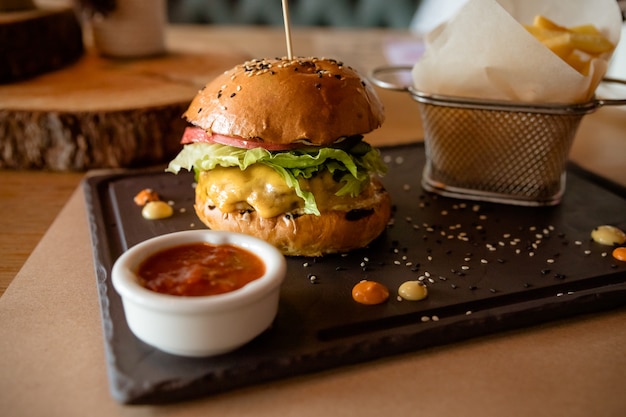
[351, 167]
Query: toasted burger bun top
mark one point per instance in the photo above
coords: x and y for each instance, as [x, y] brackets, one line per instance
[283, 101]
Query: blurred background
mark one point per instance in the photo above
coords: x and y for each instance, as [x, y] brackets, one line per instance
[345, 13]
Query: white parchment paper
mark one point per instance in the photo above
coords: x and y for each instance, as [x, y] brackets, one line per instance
[485, 52]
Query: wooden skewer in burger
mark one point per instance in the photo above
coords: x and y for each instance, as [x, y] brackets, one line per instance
[278, 153]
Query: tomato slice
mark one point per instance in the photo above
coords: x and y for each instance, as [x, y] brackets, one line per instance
[194, 134]
[197, 134]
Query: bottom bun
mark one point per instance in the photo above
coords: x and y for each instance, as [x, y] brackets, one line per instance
[333, 231]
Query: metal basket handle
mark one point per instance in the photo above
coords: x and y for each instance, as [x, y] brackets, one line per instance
[611, 101]
[376, 73]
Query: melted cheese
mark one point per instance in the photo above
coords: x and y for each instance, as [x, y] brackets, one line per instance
[261, 188]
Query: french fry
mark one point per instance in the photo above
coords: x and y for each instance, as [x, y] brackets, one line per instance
[561, 44]
[592, 44]
[543, 22]
[576, 45]
[543, 33]
[579, 61]
[588, 29]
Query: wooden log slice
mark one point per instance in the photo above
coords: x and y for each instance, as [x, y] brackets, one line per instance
[36, 41]
[103, 113]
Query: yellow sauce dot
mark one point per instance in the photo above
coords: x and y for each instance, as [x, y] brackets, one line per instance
[608, 235]
[620, 254]
[154, 210]
[413, 290]
[370, 292]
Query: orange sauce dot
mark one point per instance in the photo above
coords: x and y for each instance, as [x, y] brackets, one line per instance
[370, 292]
[620, 254]
[145, 196]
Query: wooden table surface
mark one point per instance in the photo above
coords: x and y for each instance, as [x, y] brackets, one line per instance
[51, 341]
[30, 202]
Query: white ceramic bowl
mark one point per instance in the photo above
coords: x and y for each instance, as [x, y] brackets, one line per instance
[199, 325]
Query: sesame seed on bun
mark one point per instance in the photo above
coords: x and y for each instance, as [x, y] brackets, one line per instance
[284, 101]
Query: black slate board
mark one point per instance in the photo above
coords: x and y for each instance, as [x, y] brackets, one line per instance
[489, 268]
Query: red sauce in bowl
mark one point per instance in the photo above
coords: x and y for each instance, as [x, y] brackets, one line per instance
[199, 269]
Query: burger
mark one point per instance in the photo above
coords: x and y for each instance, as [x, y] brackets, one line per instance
[277, 149]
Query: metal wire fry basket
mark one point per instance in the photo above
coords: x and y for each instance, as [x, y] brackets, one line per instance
[495, 151]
